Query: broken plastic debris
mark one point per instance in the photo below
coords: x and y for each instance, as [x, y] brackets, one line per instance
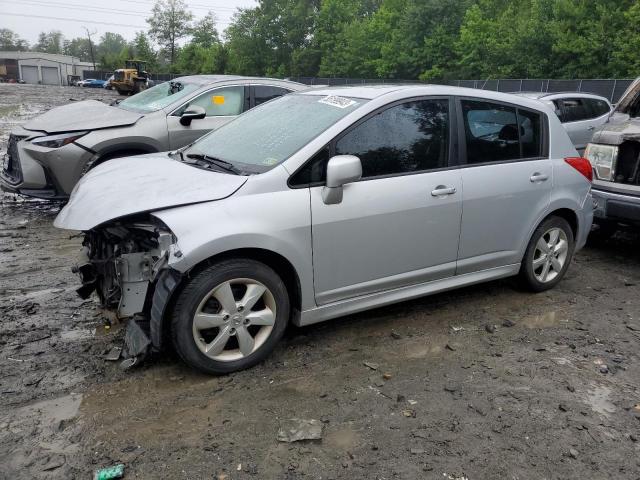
[114, 354]
[371, 365]
[296, 429]
[117, 471]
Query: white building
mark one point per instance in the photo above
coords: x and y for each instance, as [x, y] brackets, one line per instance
[41, 68]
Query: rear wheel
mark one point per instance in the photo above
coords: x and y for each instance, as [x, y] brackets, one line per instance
[230, 316]
[548, 255]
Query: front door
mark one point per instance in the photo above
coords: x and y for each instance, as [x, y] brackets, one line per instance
[221, 105]
[506, 183]
[399, 225]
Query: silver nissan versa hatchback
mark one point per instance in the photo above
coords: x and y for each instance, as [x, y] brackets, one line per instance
[324, 203]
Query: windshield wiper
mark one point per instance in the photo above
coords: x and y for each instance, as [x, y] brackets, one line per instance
[229, 167]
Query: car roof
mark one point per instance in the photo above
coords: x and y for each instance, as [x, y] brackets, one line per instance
[370, 92]
[203, 80]
[556, 95]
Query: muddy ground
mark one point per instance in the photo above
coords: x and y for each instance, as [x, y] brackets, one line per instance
[530, 398]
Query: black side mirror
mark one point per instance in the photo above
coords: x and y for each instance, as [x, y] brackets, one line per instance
[193, 112]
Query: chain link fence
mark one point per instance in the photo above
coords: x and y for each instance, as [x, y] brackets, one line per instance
[608, 88]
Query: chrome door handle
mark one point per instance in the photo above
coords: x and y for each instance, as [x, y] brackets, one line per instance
[591, 128]
[442, 190]
[539, 177]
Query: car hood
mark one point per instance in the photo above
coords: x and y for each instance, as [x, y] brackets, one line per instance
[85, 115]
[619, 129]
[145, 183]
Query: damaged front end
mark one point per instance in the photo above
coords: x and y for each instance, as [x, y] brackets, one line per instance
[614, 153]
[122, 262]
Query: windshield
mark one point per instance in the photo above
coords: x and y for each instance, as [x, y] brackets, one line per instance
[158, 97]
[267, 135]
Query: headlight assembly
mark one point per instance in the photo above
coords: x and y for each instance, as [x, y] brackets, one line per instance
[603, 160]
[57, 141]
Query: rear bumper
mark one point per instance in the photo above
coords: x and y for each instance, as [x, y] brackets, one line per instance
[585, 221]
[616, 207]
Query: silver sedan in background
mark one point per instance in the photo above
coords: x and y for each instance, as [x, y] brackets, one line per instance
[325, 203]
[47, 156]
[580, 113]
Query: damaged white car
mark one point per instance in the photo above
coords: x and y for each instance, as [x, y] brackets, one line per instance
[324, 203]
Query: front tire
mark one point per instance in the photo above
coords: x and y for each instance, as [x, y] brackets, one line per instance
[230, 316]
[548, 255]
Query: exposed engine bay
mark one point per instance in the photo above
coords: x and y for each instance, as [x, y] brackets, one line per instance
[120, 260]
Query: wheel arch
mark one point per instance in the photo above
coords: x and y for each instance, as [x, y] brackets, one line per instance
[564, 212]
[169, 286]
[569, 215]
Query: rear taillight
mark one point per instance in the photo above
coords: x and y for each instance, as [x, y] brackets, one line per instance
[582, 165]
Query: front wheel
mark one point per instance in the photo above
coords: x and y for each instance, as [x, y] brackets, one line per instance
[548, 255]
[230, 316]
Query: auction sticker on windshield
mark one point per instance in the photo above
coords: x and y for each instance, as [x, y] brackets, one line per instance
[336, 101]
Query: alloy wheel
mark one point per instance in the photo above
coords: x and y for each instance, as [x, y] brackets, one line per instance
[550, 255]
[234, 319]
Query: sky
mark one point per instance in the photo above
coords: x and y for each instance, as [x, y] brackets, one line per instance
[125, 17]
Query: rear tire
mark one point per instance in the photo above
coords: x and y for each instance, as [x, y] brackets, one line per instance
[212, 330]
[548, 255]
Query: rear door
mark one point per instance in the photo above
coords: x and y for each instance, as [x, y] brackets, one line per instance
[577, 120]
[506, 181]
[221, 104]
[599, 113]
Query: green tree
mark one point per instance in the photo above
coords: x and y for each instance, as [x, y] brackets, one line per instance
[78, 47]
[10, 41]
[49, 42]
[626, 56]
[169, 22]
[204, 32]
[142, 50]
[586, 34]
[340, 36]
[272, 38]
[112, 51]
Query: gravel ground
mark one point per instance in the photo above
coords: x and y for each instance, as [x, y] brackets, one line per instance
[486, 382]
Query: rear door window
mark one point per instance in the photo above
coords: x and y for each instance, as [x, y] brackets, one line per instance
[574, 110]
[598, 107]
[500, 133]
[264, 93]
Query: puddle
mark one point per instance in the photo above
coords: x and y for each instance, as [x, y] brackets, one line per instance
[52, 411]
[80, 334]
[546, 320]
[598, 400]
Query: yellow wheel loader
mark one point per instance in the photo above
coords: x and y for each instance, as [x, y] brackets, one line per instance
[131, 79]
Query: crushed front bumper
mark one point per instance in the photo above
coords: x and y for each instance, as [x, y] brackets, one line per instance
[48, 173]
